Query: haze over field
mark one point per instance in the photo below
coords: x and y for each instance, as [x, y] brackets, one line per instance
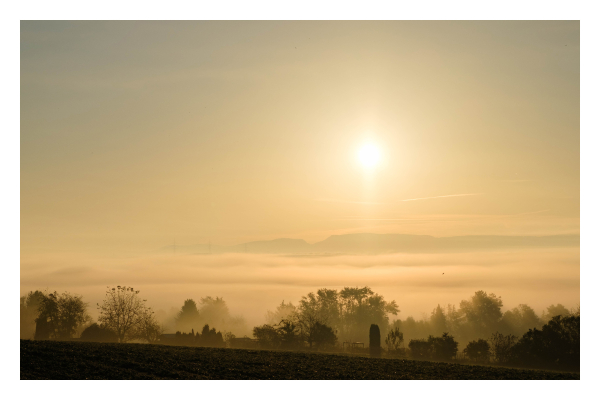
[251, 284]
[260, 161]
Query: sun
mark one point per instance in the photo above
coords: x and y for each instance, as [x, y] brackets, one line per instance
[369, 156]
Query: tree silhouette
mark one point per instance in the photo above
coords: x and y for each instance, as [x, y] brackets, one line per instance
[188, 317]
[520, 319]
[323, 336]
[361, 307]
[553, 311]
[438, 321]
[124, 312]
[394, 340]
[60, 315]
[290, 335]
[501, 346]
[482, 312]
[478, 351]
[29, 305]
[283, 311]
[267, 336]
[556, 345]
[443, 347]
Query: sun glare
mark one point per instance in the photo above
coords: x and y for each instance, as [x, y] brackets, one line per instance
[369, 155]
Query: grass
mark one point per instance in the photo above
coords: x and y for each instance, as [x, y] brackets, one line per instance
[81, 360]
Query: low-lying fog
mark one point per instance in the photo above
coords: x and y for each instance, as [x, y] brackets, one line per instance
[252, 284]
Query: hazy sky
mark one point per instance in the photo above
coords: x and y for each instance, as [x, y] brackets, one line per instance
[136, 134]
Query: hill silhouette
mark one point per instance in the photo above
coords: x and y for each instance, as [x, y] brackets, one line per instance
[374, 243]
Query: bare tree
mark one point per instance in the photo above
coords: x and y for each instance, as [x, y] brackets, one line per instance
[124, 312]
[149, 329]
[394, 339]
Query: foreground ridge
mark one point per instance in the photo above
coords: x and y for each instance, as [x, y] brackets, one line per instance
[80, 360]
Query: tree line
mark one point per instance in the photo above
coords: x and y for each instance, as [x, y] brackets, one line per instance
[324, 320]
[516, 337]
[123, 316]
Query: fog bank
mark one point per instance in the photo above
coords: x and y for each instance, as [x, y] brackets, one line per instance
[251, 284]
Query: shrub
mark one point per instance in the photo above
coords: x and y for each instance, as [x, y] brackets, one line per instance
[438, 348]
[556, 345]
[419, 348]
[443, 347]
[267, 336]
[323, 336]
[501, 347]
[289, 334]
[97, 333]
[394, 340]
[478, 351]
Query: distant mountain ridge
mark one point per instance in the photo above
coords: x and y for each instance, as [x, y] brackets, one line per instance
[374, 243]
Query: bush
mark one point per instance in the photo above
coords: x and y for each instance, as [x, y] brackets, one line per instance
[394, 340]
[324, 336]
[267, 336]
[290, 336]
[436, 348]
[97, 333]
[478, 351]
[419, 348]
[556, 345]
[443, 347]
[502, 346]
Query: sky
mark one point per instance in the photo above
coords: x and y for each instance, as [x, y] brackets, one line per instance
[138, 135]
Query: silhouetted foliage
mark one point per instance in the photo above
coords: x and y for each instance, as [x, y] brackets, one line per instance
[443, 347]
[188, 317]
[347, 313]
[208, 310]
[324, 336]
[97, 333]
[361, 307]
[482, 312]
[556, 345]
[419, 348]
[394, 342]
[478, 351]
[211, 338]
[148, 327]
[501, 346]
[59, 316]
[374, 341]
[553, 311]
[125, 313]
[29, 305]
[438, 321]
[290, 335]
[520, 319]
[283, 311]
[208, 338]
[267, 336]
[436, 348]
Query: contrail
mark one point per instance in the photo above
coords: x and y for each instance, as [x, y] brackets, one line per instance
[448, 195]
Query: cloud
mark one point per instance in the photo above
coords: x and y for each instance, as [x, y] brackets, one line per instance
[448, 195]
[254, 283]
[348, 201]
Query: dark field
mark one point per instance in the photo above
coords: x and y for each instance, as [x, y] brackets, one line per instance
[79, 360]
